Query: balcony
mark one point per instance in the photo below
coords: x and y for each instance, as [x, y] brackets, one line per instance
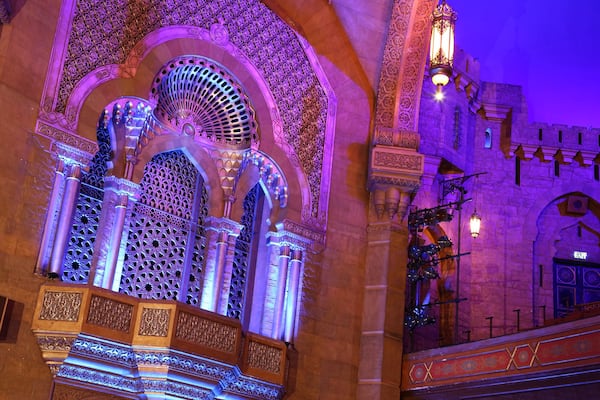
[95, 340]
[561, 357]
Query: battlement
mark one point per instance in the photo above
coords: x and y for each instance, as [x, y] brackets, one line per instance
[554, 137]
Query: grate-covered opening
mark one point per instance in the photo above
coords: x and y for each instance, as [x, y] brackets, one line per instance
[197, 97]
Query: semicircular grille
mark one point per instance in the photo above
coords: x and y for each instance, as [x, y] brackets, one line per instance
[198, 97]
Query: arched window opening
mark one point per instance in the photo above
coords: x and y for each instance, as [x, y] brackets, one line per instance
[488, 138]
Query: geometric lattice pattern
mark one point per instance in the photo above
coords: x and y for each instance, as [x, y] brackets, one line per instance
[99, 164]
[164, 249]
[169, 184]
[242, 258]
[195, 275]
[78, 256]
[155, 259]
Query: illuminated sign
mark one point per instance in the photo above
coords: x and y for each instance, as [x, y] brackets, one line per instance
[581, 255]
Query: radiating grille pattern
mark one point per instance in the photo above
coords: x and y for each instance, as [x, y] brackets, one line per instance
[196, 96]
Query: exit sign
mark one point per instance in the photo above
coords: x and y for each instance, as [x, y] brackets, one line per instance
[580, 255]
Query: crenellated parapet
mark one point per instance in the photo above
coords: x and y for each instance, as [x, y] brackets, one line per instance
[563, 143]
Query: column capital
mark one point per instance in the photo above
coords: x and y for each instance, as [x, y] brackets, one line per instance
[392, 166]
[122, 186]
[72, 156]
[289, 239]
[223, 225]
[314, 239]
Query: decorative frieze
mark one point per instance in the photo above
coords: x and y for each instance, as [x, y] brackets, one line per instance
[535, 352]
[52, 343]
[315, 238]
[61, 306]
[66, 137]
[252, 388]
[204, 368]
[394, 137]
[181, 390]
[264, 357]
[393, 160]
[103, 351]
[101, 379]
[154, 322]
[288, 239]
[110, 313]
[204, 332]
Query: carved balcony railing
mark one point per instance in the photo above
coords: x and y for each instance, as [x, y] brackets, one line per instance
[129, 347]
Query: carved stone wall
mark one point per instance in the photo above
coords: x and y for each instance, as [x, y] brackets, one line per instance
[104, 35]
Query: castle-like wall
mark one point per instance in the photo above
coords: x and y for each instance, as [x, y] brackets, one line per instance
[530, 173]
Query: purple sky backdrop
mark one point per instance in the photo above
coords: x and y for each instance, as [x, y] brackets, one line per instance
[551, 48]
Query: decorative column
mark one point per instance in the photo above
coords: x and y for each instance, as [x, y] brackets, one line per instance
[60, 216]
[119, 197]
[296, 265]
[280, 305]
[284, 259]
[58, 188]
[394, 175]
[221, 235]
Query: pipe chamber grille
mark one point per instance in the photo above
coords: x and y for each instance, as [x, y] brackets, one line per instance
[197, 97]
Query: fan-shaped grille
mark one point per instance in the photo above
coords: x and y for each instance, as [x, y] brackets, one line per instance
[198, 97]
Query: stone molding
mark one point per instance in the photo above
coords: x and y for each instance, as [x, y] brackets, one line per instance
[395, 166]
[56, 135]
[223, 225]
[495, 112]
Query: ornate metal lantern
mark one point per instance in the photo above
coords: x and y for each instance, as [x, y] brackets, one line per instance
[475, 224]
[441, 50]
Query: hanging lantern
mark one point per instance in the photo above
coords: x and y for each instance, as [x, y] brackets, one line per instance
[441, 50]
[475, 224]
